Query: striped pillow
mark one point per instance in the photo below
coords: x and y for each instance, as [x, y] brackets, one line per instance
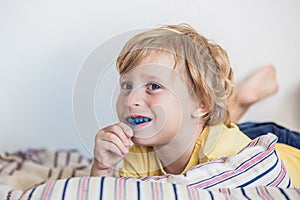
[122, 189]
[256, 169]
[256, 165]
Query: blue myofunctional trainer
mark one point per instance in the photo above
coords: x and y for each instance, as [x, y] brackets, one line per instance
[133, 121]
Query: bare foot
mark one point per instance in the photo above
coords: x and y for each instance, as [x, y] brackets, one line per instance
[256, 87]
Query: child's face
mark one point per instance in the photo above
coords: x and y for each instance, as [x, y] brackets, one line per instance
[156, 97]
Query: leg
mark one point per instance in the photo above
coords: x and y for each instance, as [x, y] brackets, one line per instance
[256, 87]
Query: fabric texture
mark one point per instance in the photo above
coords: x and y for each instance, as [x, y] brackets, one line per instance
[23, 170]
[89, 188]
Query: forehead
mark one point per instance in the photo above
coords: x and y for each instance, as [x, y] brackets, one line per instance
[155, 71]
[159, 58]
[155, 64]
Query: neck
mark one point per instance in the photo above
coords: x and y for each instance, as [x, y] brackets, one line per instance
[178, 166]
[176, 155]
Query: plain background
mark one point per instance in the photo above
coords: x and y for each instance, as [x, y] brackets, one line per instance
[44, 43]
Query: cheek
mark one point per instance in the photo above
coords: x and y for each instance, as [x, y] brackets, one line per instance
[120, 105]
[175, 117]
[170, 109]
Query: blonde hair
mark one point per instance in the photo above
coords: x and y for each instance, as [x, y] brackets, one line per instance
[207, 66]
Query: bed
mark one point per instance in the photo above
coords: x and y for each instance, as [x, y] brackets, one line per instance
[255, 173]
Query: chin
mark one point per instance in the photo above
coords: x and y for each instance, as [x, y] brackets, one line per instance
[139, 141]
[142, 142]
[150, 142]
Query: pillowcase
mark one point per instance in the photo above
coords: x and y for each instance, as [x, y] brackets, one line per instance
[122, 188]
[256, 165]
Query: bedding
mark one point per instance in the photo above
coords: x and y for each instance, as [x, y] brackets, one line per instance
[255, 173]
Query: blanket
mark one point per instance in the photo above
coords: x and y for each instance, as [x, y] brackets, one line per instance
[23, 170]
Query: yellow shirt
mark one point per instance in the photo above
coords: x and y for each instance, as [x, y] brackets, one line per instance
[214, 142]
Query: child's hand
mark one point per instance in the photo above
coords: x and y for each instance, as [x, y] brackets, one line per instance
[111, 145]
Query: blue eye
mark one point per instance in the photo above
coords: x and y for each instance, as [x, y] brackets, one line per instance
[126, 86]
[153, 86]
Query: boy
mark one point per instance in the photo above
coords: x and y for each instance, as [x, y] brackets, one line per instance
[173, 106]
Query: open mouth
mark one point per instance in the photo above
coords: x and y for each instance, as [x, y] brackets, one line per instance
[133, 121]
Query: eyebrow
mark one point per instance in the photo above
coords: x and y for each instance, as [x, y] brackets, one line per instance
[157, 78]
[151, 76]
[145, 77]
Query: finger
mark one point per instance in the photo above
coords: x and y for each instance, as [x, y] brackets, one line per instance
[115, 139]
[106, 148]
[127, 130]
[118, 130]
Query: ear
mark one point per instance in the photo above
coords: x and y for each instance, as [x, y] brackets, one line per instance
[197, 113]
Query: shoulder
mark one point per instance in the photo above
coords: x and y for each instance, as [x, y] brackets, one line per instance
[224, 141]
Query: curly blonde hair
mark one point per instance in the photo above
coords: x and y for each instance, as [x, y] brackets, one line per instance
[207, 68]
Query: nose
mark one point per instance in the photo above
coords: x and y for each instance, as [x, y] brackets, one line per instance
[136, 97]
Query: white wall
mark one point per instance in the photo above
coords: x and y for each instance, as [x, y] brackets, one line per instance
[43, 44]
